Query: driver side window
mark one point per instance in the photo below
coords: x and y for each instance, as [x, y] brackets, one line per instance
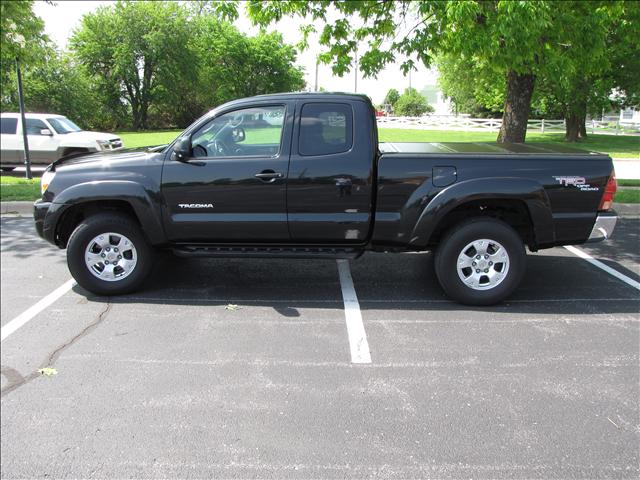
[255, 131]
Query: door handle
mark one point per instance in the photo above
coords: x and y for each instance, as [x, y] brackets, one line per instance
[268, 175]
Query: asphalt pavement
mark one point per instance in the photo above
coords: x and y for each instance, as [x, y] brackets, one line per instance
[234, 368]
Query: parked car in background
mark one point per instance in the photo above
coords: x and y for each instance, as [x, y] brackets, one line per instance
[50, 137]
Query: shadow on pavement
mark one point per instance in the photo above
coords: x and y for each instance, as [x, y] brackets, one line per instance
[553, 285]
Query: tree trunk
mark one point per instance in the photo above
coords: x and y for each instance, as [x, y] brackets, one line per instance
[517, 106]
[575, 122]
[583, 127]
[572, 127]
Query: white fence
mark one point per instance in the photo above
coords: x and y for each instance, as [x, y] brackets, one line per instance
[441, 122]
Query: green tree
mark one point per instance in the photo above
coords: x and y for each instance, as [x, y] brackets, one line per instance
[595, 58]
[412, 104]
[521, 39]
[18, 22]
[60, 85]
[134, 50]
[391, 97]
[471, 89]
[232, 65]
[168, 63]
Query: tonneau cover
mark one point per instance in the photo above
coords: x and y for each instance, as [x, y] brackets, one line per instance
[490, 148]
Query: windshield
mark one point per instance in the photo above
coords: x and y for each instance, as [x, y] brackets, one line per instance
[63, 125]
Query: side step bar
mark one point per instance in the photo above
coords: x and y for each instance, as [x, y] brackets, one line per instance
[268, 251]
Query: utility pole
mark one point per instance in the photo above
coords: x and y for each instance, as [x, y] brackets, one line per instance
[355, 87]
[409, 78]
[27, 159]
[316, 87]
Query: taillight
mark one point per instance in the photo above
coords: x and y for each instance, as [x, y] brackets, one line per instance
[609, 193]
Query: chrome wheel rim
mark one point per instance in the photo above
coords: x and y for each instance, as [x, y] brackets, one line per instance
[483, 264]
[111, 257]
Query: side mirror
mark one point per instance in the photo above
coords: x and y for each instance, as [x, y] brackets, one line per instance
[238, 134]
[182, 149]
[46, 132]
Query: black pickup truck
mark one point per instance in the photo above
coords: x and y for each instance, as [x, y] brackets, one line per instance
[303, 175]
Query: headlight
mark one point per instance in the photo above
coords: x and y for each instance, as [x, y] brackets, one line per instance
[46, 179]
[103, 144]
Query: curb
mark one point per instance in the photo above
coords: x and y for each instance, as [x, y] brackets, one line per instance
[16, 208]
[26, 208]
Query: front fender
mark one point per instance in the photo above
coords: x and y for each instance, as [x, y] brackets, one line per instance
[144, 203]
[529, 191]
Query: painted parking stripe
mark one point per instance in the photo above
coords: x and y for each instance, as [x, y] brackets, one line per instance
[584, 255]
[34, 310]
[355, 328]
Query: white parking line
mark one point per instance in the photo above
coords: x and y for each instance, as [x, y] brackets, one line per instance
[355, 328]
[31, 312]
[584, 255]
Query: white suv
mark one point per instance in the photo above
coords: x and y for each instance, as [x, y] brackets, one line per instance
[50, 137]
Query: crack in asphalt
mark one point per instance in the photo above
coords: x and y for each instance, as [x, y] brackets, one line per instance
[16, 380]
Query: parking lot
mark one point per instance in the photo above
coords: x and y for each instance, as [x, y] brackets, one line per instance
[243, 369]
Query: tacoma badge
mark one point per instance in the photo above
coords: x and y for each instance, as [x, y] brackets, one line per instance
[195, 205]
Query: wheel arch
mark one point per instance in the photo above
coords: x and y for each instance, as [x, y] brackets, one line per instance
[522, 204]
[80, 201]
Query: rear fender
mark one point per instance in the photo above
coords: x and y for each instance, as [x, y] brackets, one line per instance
[528, 191]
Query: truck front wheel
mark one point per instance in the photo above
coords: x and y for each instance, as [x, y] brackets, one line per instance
[108, 254]
[480, 262]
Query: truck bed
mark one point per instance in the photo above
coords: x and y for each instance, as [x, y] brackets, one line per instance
[418, 179]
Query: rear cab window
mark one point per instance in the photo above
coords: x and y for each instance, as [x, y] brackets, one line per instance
[8, 126]
[325, 129]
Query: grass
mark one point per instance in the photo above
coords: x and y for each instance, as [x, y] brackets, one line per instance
[627, 196]
[628, 183]
[148, 139]
[13, 188]
[16, 189]
[621, 146]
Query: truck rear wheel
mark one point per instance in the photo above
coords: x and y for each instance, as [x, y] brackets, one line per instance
[480, 262]
[108, 254]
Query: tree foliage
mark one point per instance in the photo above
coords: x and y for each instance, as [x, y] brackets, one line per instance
[136, 49]
[521, 41]
[412, 104]
[391, 97]
[142, 64]
[21, 35]
[595, 59]
[170, 63]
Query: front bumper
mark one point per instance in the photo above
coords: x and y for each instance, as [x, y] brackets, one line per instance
[40, 210]
[603, 227]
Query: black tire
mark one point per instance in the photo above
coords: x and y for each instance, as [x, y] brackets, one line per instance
[8, 169]
[88, 230]
[457, 239]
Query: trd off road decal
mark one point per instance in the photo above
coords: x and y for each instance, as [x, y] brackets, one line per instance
[578, 182]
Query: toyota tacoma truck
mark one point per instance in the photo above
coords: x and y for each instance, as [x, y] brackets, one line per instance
[303, 176]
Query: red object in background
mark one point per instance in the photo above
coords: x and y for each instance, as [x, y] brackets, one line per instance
[380, 113]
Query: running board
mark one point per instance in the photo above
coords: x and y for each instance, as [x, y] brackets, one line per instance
[268, 251]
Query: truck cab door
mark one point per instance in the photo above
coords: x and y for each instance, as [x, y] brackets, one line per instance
[233, 188]
[329, 191]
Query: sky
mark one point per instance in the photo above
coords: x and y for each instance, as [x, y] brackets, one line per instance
[63, 16]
